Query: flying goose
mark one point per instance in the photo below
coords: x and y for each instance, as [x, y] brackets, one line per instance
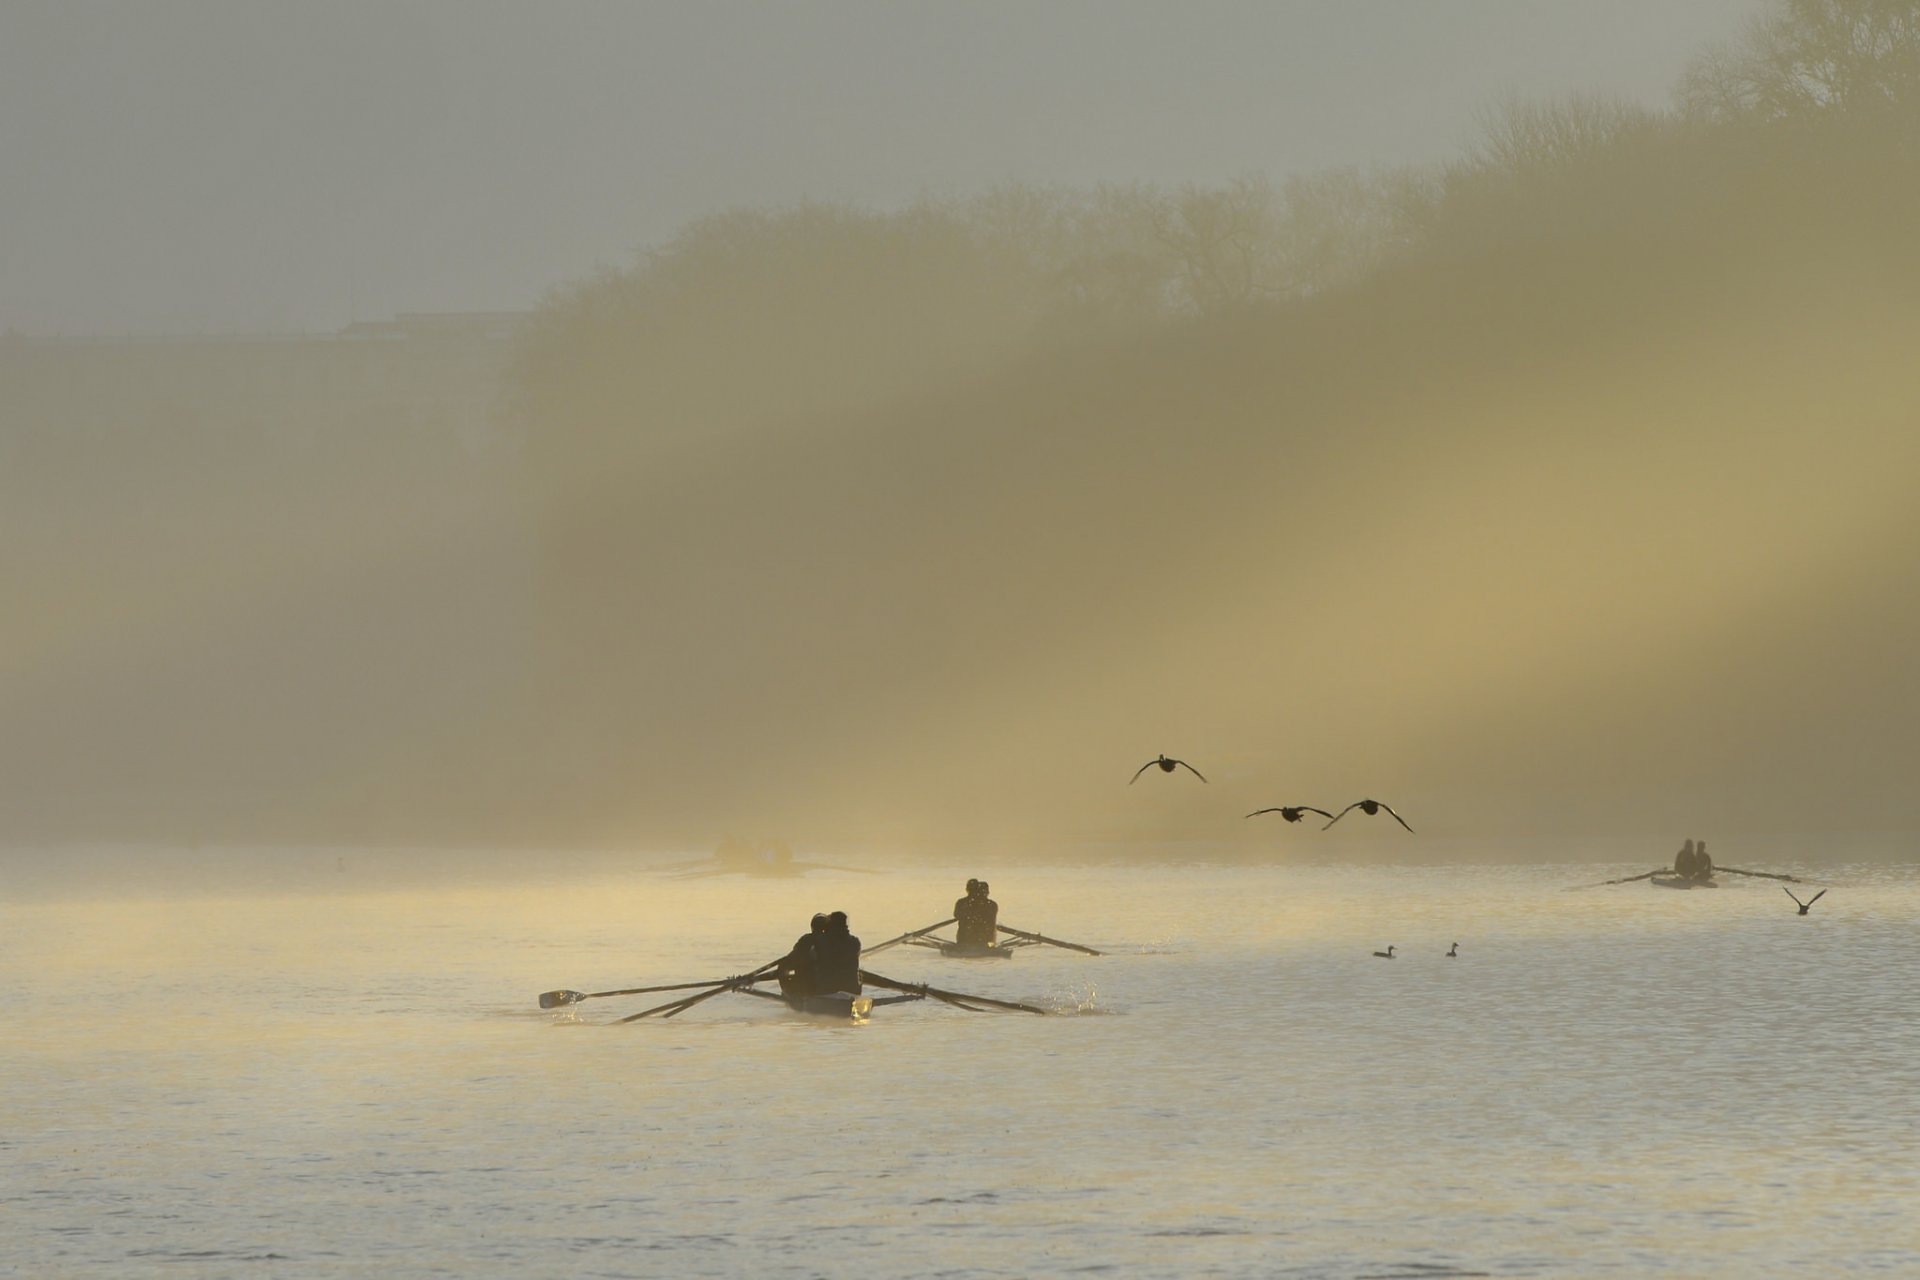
[1292, 812]
[1803, 905]
[1166, 766]
[1368, 807]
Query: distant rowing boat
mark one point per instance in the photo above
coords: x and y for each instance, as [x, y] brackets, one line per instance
[954, 949]
[1683, 882]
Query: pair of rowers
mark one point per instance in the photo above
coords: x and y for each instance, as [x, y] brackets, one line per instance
[825, 960]
[1692, 862]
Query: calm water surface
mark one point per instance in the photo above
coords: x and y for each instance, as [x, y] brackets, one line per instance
[1615, 1082]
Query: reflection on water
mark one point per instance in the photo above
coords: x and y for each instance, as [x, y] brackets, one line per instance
[1614, 1081]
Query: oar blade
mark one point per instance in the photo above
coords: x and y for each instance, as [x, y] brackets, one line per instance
[554, 999]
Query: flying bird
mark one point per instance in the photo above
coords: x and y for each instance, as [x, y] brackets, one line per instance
[1292, 812]
[1166, 766]
[1387, 954]
[1368, 807]
[1803, 905]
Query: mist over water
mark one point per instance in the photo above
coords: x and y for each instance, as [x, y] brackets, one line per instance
[1619, 1081]
[1553, 491]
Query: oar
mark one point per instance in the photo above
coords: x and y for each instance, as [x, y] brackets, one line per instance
[1765, 875]
[951, 997]
[554, 999]
[725, 984]
[1624, 880]
[1052, 942]
[882, 946]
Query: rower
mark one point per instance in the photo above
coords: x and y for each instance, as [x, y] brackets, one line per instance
[1702, 864]
[976, 917]
[1685, 861]
[800, 967]
[836, 958]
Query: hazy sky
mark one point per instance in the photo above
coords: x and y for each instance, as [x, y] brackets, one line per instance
[242, 165]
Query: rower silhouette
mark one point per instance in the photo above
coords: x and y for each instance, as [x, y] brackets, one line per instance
[1387, 954]
[1292, 812]
[1803, 905]
[1166, 766]
[1369, 807]
[976, 917]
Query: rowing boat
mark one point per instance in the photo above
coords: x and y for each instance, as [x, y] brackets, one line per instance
[975, 951]
[967, 950]
[1683, 882]
[842, 1006]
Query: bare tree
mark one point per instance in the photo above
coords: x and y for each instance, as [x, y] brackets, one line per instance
[1223, 239]
[1522, 136]
[1811, 56]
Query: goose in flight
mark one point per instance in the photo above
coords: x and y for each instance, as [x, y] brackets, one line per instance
[1368, 807]
[1292, 812]
[1803, 905]
[1387, 954]
[1166, 766]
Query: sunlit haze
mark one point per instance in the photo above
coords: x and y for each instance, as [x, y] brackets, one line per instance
[625, 427]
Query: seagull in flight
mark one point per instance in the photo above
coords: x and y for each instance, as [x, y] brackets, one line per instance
[1292, 812]
[1368, 807]
[1166, 766]
[1803, 905]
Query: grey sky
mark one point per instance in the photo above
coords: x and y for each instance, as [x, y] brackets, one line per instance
[241, 165]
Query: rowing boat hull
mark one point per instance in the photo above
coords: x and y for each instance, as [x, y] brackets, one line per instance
[839, 1005]
[1680, 882]
[955, 951]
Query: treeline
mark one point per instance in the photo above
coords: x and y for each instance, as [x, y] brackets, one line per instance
[834, 308]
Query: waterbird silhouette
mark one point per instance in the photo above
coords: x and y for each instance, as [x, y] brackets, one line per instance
[1453, 951]
[1292, 812]
[1803, 905]
[1387, 954]
[1166, 766]
[1369, 807]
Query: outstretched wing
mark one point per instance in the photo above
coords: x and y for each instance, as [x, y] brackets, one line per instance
[1142, 769]
[1396, 817]
[1343, 813]
[1307, 808]
[1789, 893]
[1190, 769]
[1816, 897]
[1257, 812]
